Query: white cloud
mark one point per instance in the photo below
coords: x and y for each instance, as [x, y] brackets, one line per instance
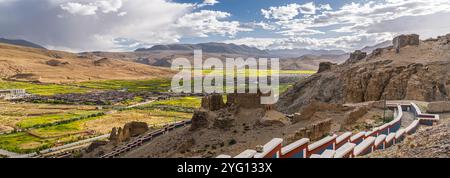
[326, 7]
[210, 2]
[83, 25]
[121, 14]
[200, 24]
[282, 13]
[356, 25]
[109, 6]
[79, 9]
[207, 3]
[308, 8]
[105, 6]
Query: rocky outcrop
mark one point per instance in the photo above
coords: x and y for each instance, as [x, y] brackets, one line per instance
[326, 66]
[356, 56]
[438, 107]
[132, 129]
[371, 82]
[420, 73]
[56, 63]
[405, 40]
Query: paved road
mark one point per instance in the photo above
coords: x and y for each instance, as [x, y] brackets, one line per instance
[140, 104]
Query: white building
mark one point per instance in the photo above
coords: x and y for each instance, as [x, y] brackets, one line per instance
[12, 94]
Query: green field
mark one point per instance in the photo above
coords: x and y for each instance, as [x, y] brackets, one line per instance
[185, 102]
[160, 85]
[156, 85]
[42, 89]
[254, 72]
[52, 118]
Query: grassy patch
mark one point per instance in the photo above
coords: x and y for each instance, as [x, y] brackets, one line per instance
[42, 89]
[185, 102]
[52, 118]
[131, 85]
[22, 143]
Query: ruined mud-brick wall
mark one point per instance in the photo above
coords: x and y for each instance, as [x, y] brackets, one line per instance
[315, 131]
[213, 102]
[245, 100]
[307, 112]
[354, 115]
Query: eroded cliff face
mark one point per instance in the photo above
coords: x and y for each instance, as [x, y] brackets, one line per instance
[416, 73]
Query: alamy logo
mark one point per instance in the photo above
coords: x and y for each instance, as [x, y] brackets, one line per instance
[232, 75]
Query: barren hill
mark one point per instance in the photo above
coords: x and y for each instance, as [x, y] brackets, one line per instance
[419, 71]
[40, 65]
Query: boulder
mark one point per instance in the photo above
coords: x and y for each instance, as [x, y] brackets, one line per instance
[56, 63]
[438, 107]
[405, 40]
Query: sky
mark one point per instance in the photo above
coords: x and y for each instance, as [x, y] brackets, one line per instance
[125, 25]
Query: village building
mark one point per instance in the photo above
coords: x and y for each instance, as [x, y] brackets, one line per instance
[12, 94]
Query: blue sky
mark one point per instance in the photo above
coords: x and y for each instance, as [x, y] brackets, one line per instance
[124, 25]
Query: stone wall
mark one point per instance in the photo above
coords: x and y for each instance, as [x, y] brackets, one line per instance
[438, 107]
[245, 100]
[307, 112]
[315, 131]
[405, 40]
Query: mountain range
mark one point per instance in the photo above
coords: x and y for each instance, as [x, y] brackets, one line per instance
[21, 43]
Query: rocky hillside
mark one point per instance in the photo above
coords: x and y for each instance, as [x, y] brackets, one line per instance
[47, 66]
[410, 69]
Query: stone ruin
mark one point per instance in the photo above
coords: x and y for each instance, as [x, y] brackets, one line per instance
[245, 100]
[326, 66]
[213, 102]
[405, 40]
[132, 129]
[214, 112]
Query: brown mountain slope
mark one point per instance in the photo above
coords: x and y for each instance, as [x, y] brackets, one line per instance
[30, 64]
[418, 72]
